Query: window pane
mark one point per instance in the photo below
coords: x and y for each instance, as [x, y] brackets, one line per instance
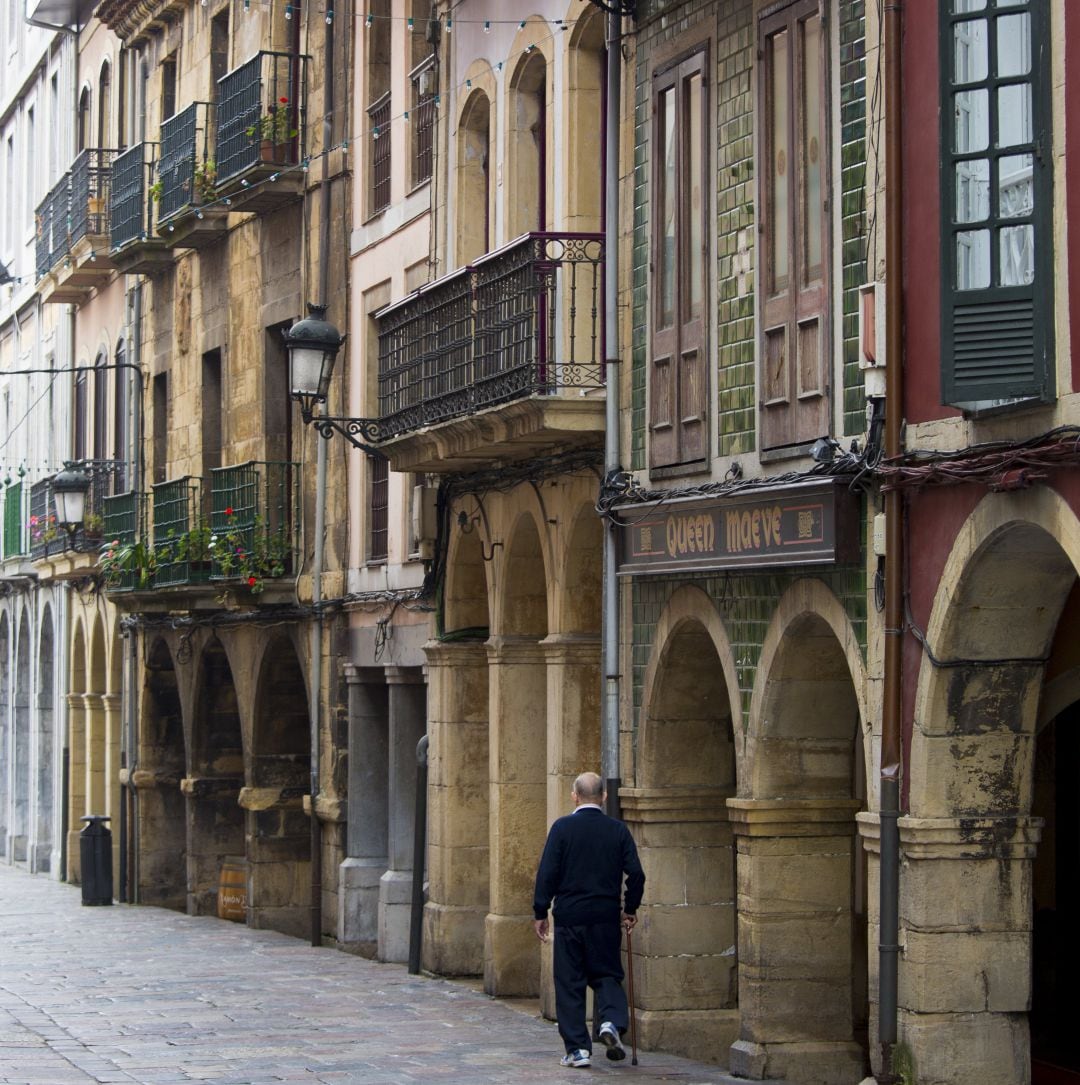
[1015, 194]
[972, 259]
[693, 135]
[1014, 44]
[971, 53]
[781, 157]
[1017, 255]
[666, 315]
[811, 148]
[1014, 115]
[972, 124]
[961, 6]
[973, 190]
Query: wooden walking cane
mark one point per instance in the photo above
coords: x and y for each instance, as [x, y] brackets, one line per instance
[633, 1010]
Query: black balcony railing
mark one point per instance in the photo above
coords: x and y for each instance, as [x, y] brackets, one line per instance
[181, 536]
[53, 218]
[254, 521]
[131, 194]
[123, 532]
[91, 175]
[524, 320]
[46, 535]
[260, 114]
[186, 168]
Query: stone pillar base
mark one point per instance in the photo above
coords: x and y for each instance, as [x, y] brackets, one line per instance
[358, 905]
[810, 1063]
[73, 873]
[395, 905]
[705, 1035]
[453, 940]
[511, 957]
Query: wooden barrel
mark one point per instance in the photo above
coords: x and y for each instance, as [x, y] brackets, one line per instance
[232, 891]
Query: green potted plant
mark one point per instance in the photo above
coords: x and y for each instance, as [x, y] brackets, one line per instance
[275, 132]
[206, 180]
[155, 190]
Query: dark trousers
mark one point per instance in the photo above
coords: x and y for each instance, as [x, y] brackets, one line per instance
[588, 955]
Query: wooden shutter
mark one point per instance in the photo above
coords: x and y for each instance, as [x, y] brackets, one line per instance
[997, 331]
[794, 180]
[678, 388]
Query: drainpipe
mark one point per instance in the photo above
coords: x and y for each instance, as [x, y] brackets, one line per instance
[416, 916]
[609, 726]
[891, 716]
[315, 707]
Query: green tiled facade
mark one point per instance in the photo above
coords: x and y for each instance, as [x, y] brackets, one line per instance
[735, 347]
[747, 602]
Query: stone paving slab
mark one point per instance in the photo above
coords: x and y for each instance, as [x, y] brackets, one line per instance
[144, 995]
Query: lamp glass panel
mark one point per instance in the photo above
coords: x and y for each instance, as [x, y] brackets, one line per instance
[306, 371]
[70, 506]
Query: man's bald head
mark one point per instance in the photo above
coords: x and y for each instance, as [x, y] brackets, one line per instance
[588, 787]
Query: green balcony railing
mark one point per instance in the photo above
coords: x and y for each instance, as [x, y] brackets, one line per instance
[181, 537]
[14, 520]
[254, 522]
[122, 516]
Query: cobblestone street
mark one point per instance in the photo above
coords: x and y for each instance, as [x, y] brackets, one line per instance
[134, 994]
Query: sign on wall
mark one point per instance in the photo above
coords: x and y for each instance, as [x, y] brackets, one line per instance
[806, 524]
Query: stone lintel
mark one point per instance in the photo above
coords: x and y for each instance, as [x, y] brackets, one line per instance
[271, 798]
[201, 787]
[674, 804]
[327, 808]
[404, 676]
[970, 838]
[355, 675]
[456, 653]
[504, 650]
[792, 817]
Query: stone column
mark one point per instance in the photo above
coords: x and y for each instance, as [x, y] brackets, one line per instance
[966, 934]
[518, 749]
[573, 743]
[76, 708]
[458, 813]
[94, 714]
[408, 722]
[110, 703]
[366, 844]
[686, 967]
[795, 931]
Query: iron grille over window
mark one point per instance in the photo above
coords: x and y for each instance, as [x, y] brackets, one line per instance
[379, 509]
[129, 208]
[186, 170]
[14, 520]
[523, 320]
[423, 130]
[379, 125]
[260, 114]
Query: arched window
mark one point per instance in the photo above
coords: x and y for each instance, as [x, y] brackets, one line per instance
[474, 180]
[528, 138]
[84, 119]
[104, 132]
[121, 423]
[101, 406]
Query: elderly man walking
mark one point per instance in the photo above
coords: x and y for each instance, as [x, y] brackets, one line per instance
[586, 858]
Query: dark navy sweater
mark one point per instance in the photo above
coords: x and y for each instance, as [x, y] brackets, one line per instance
[585, 857]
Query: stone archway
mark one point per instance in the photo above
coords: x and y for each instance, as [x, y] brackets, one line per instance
[803, 987]
[459, 767]
[75, 754]
[518, 705]
[162, 834]
[44, 815]
[969, 840]
[216, 824]
[278, 830]
[685, 772]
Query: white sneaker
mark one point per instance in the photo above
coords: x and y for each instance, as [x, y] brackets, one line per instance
[609, 1037]
[581, 1057]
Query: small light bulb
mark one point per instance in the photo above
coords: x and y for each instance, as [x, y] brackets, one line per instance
[288, 11]
[449, 25]
[487, 26]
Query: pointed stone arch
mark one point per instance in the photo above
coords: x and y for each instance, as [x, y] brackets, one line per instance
[529, 203]
[475, 180]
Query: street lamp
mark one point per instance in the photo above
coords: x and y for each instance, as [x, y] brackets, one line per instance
[313, 344]
[70, 488]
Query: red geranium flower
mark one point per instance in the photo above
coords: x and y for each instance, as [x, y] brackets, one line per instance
[284, 101]
[252, 581]
[228, 511]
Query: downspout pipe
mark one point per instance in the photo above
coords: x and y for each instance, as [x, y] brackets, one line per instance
[315, 693]
[609, 724]
[892, 707]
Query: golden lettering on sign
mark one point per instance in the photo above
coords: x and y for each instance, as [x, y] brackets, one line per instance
[753, 529]
[806, 524]
[646, 540]
[690, 535]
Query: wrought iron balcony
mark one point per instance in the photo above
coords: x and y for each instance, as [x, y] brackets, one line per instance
[261, 115]
[91, 175]
[254, 522]
[52, 218]
[181, 536]
[15, 520]
[522, 323]
[46, 536]
[187, 174]
[123, 528]
[133, 185]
